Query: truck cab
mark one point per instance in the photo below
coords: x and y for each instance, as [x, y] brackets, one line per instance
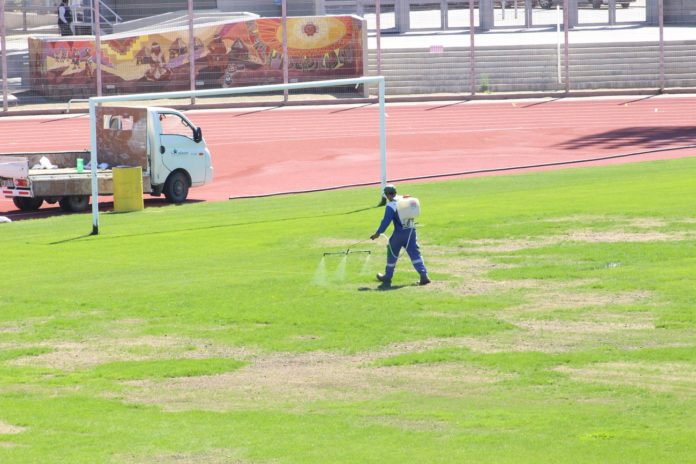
[181, 157]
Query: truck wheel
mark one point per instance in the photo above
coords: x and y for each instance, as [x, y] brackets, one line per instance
[625, 5]
[596, 4]
[27, 204]
[74, 203]
[546, 4]
[176, 188]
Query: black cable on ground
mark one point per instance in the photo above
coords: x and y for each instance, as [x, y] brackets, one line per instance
[468, 173]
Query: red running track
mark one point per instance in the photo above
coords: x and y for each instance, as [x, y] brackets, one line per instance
[290, 149]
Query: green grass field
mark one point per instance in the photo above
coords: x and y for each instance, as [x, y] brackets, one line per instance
[560, 328]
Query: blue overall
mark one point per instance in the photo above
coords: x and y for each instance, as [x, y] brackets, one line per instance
[402, 237]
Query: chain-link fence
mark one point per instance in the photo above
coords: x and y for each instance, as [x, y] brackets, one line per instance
[452, 47]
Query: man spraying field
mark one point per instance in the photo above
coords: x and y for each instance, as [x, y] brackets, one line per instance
[401, 211]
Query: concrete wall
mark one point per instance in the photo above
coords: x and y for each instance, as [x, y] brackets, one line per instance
[16, 20]
[680, 11]
[271, 7]
[135, 9]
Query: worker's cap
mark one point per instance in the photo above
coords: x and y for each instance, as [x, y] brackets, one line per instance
[389, 189]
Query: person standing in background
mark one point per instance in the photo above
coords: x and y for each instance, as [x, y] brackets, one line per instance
[64, 18]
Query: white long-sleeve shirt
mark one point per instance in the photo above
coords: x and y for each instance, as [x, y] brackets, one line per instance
[61, 13]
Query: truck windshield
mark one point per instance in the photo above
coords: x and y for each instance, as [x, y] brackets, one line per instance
[173, 124]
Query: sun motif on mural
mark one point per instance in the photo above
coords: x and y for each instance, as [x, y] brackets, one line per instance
[310, 29]
[308, 36]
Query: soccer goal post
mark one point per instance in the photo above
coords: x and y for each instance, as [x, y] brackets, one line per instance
[95, 101]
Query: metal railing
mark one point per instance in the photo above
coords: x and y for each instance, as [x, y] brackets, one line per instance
[83, 15]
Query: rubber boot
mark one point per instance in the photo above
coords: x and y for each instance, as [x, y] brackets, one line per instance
[386, 282]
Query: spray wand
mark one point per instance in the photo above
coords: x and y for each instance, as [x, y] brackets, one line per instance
[348, 250]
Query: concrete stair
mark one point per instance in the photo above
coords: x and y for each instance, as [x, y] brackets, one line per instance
[534, 68]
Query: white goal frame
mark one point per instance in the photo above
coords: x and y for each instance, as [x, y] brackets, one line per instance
[94, 101]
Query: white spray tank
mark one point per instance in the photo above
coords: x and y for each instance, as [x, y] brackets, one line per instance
[408, 209]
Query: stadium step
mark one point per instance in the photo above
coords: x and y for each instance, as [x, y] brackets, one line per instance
[510, 69]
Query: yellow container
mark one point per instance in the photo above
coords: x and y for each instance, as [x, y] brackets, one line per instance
[128, 189]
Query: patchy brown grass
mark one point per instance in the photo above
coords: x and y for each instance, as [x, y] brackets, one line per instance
[410, 425]
[8, 429]
[563, 327]
[470, 274]
[470, 279]
[676, 377]
[8, 444]
[290, 380]
[524, 340]
[586, 236]
[217, 456]
[70, 356]
[640, 222]
[565, 297]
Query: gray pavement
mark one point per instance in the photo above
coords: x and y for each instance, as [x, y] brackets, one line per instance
[510, 28]
[533, 36]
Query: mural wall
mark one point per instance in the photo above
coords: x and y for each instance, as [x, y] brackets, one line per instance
[225, 55]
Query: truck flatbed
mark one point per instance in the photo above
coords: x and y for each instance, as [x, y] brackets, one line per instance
[62, 181]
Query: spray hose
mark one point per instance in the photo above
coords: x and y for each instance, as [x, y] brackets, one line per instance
[357, 243]
[410, 234]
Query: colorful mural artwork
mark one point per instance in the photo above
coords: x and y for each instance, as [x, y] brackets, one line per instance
[225, 55]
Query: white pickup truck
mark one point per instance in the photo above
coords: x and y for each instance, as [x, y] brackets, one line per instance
[167, 146]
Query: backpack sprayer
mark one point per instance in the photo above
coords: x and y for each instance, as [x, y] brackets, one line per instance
[408, 209]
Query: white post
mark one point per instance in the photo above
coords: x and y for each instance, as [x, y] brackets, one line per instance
[472, 50]
[93, 165]
[661, 20]
[284, 22]
[378, 16]
[382, 134]
[3, 44]
[443, 15]
[558, 42]
[191, 50]
[566, 51]
[97, 45]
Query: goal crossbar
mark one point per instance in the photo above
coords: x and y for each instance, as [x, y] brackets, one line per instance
[94, 101]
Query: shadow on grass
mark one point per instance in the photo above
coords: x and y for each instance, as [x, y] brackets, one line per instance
[71, 239]
[380, 288]
[104, 207]
[222, 226]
